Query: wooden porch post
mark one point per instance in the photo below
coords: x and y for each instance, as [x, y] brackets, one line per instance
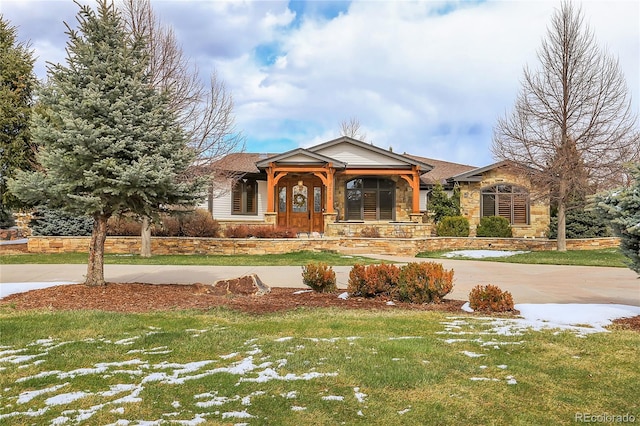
[270, 189]
[415, 207]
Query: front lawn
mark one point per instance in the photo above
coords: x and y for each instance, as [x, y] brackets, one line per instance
[601, 257]
[288, 259]
[306, 367]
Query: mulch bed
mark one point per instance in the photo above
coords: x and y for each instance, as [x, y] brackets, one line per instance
[140, 297]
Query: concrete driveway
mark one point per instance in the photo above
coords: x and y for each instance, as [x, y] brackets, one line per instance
[527, 283]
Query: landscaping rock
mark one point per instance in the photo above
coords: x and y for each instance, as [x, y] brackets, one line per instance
[245, 285]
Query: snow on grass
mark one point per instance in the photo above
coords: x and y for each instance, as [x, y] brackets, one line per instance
[481, 254]
[333, 398]
[472, 354]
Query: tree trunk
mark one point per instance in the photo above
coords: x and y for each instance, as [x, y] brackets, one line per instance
[145, 249]
[561, 242]
[95, 268]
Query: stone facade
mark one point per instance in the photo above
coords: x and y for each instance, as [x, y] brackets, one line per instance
[350, 245]
[470, 196]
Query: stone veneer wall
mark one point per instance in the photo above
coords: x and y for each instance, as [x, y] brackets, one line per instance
[351, 245]
[539, 213]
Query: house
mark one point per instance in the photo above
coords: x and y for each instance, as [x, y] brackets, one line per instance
[345, 185]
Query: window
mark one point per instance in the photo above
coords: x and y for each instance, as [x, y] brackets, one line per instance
[245, 197]
[370, 199]
[508, 201]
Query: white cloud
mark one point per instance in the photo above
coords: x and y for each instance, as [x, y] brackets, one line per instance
[425, 77]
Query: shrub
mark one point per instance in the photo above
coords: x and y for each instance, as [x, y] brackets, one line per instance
[124, 226]
[319, 277]
[373, 280]
[453, 226]
[199, 223]
[236, 231]
[490, 298]
[424, 282]
[494, 226]
[52, 222]
[262, 231]
[581, 224]
[370, 232]
[169, 226]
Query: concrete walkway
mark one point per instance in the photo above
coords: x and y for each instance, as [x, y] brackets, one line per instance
[527, 283]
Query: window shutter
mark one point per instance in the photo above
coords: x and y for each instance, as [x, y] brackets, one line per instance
[237, 198]
[504, 206]
[520, 210]
[488, 205]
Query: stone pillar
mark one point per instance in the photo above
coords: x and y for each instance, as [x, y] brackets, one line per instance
[271, 218]
[416, 217]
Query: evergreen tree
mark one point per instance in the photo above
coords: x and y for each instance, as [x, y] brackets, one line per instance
[441, 205]
[17, 83]
[622, 208]
[109, 143]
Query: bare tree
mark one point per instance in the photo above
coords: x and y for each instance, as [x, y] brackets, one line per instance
[352, 129]
[572, 128]
[205, 111]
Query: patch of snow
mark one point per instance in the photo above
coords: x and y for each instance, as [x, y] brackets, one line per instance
[405, 337]
[405, 411]
[472, 354]
[13, 288]
[237, 415]
[574, 315]
[359, 395]
[482, 254]
[483, 379]
[290, 395]
[25, 397]
[283, 339]
[390, 303]
[297, 408]
[511, 380]
[231, 355]
[467, 308]
[302, 291]
[66, 398]
[333, 398]
[502, 367]
[343, 296]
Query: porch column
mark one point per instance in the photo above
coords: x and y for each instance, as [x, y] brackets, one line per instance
[270, 189]
[415, 185]
[330, 189]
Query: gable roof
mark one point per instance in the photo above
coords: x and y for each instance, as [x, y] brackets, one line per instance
[394, 159]
[240, 162]
[475, 175]
[297, 156]
[442, 170]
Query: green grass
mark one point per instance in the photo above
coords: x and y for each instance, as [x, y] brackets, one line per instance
[288, 259]
[601, 257]
[418, 380]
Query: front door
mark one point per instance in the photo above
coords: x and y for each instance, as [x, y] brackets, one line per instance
[301, 203]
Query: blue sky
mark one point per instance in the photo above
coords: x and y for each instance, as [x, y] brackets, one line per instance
[425, 77]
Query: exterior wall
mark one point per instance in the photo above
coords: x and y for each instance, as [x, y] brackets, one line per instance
[222, 207]
[385, 229]
[351, 245]
[539, 213]
[358, 156]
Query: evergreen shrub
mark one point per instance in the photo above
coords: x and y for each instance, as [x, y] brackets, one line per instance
[581, 224]
[320, 277]
[490, 298]
[55, 222]
[373, 280]
[494, 226]
[453, 226]
[424, 282]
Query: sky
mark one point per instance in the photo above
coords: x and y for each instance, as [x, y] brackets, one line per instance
[429, 78]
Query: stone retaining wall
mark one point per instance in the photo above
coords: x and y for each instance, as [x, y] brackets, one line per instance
[352, 245]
